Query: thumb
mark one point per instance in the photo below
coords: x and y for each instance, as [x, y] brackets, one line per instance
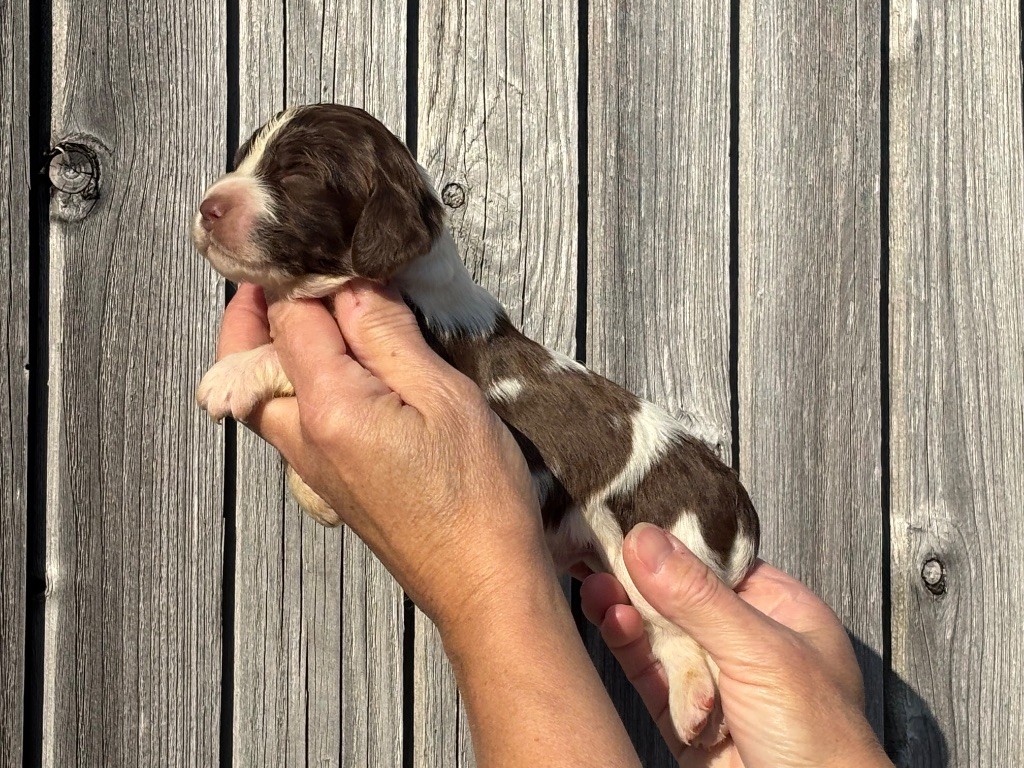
[686, 592]
[383, 335]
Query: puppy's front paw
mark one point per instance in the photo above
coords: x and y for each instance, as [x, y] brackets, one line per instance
[240, 382]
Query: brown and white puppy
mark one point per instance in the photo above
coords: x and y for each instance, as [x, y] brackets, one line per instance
[323, 193]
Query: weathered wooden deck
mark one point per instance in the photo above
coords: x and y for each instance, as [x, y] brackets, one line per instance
[800, 222]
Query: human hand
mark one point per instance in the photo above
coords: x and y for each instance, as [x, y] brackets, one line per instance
[400, 444]
[790, 687]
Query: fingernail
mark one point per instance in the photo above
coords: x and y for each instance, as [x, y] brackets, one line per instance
[652, 546]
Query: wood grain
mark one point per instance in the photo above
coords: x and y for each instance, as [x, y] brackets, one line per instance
[658, 234]
[957, 383]
[318, 621]
[809, 267]
[14, 261]
[498, 118]
[135, 477]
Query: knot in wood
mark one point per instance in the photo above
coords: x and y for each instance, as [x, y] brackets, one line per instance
[453, 195]
[933, 573]
[74, 169]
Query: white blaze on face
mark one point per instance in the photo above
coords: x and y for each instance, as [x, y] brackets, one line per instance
[243, 201]
[259, 145]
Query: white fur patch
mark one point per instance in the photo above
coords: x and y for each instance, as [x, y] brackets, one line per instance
[441, 286]
[687, 530]
[653, 432]
[560, 362]
[244, 190]
[505, 390]
[740, 558]
[314, 287]
[593, 539]
[259, 145]
[243, 262]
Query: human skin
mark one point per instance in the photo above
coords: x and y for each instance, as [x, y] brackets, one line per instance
[406, 450]
[791, 690]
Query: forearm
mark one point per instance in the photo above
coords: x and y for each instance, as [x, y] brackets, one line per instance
[532, 694]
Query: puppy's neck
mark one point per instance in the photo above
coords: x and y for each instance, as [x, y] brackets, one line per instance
[441, 288]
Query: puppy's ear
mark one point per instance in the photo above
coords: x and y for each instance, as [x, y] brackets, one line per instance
[394, 228]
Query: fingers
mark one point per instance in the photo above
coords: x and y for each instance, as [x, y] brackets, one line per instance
[383, 335]
[307, 340]
[598, 593]
[685, 591]
[722, 755]
[245, 324]
[277, 422]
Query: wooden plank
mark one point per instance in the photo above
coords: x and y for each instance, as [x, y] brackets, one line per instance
[809, 261]
[658, 234]
[135, 477]
[957, 384]
[14, 260]
[318, 621]
[498, 118]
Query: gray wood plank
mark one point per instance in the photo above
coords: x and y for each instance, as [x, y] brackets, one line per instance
[14, 261]
[135, 478]
[809, 349]
[957, 384]
[318, 622]
[498, 118]
[658, 234]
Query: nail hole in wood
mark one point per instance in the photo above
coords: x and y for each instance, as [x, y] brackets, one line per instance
[453, 195]
[933, 574]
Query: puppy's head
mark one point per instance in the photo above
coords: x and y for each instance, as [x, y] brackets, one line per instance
[320, 193]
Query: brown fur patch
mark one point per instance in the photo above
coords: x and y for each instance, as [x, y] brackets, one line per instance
[348, 196]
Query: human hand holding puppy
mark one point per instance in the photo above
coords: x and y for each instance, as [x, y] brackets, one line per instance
[407, 451]
[791, 688]
[401, 445]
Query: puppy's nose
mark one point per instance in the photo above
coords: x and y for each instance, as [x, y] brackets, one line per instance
[212, 208]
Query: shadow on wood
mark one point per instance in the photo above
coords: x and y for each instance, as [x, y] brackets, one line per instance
[912, 735]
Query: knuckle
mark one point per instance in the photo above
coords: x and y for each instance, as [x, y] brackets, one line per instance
[790, 651]
[464, 393]
[695, 586]
[316, 423]
[382, 322]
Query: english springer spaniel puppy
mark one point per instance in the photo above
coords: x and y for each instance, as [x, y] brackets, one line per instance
[323, 193]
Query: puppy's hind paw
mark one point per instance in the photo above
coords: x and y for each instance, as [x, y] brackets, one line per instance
[311, 502]
[693, 700]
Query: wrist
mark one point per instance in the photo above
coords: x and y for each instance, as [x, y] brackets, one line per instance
[524, 597]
